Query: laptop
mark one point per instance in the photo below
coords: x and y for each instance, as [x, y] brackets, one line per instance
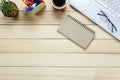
[105, 13]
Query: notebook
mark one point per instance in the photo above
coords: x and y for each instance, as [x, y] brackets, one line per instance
[76, 31]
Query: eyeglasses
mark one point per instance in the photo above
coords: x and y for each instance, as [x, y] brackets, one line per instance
[105, 18]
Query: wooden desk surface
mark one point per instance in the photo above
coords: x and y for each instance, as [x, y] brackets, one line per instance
[39, 52]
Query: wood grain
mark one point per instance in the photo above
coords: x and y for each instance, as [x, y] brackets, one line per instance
[52, 45]
[31, 73]
[60, 60]
[43, 17]
[39, 52]
[42, 31]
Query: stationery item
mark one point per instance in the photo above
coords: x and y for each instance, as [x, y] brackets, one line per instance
[34, 6]
[38, 8]
[58, 4]
[28, 9]
[76, 31]
[28, 2]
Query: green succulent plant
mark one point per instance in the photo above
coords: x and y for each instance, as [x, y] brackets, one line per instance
[9, 8]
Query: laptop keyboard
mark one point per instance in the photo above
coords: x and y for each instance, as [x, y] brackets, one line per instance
[112, 5]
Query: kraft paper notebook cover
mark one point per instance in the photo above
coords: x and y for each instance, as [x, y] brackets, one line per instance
[76, 31]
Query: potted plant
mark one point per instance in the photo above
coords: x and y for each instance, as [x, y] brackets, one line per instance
[9, 8]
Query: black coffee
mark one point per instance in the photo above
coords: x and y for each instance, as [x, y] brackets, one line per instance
[59, 3]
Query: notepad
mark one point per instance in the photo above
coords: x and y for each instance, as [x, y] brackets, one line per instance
[76, 31]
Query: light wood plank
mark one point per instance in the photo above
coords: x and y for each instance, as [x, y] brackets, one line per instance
[108, 74]
[54, 45]
[46, 71]
[15, 77]
[64, 73]
[52, 71]
[43, 18]
[42, 31]
[30, 73]
[60, 60]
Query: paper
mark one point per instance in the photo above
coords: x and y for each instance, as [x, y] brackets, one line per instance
[76, 31]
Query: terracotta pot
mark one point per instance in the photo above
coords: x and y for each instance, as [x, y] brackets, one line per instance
[14, 12]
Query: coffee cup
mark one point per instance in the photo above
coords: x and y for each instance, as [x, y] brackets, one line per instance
[59, 4]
